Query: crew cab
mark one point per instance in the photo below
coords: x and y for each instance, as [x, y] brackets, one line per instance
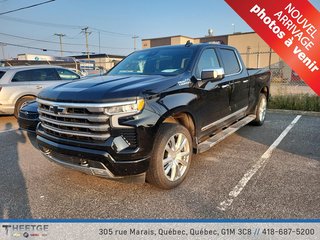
[151, 112]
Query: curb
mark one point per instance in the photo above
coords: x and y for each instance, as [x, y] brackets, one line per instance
[284, 111]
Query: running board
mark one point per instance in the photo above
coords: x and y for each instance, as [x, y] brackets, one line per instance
[206, 145]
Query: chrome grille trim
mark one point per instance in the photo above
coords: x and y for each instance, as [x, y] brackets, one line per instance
[93, 127]
[74, 120]
[68, 132]
[91, 118]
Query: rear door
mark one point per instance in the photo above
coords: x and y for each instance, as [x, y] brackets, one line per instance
[237, 78]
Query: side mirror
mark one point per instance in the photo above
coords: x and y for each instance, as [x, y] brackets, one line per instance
[215, 74]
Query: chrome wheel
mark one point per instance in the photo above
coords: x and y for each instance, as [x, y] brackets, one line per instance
[262, 109]
[176, 157]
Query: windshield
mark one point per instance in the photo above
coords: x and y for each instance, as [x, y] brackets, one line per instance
[161, 61]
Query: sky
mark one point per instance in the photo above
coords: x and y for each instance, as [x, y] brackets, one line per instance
[117, 21]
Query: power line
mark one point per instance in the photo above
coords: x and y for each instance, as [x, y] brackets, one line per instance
[36, 48]
[31, 6]
[110, 32]
[46, 24]
[46, 41]
[37, 40]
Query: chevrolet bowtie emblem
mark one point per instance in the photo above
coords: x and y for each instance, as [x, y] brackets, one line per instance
[56, 109]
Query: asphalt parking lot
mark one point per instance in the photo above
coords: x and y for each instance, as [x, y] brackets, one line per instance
[241, 171]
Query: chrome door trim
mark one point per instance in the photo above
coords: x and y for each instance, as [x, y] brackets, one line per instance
[224, 119]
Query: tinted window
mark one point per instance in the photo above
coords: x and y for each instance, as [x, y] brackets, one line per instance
[66, 74]
[2, 73]
[43, 74]
[208, 60]
[166, 61]
[230, 60]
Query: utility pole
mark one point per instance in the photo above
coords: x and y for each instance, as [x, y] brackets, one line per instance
[2, 47]
[86, 32]
[270, 57]
[60, 35]
[99, 43]
[135, 42]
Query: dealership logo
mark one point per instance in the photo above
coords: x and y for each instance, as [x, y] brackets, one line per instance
[6, 227]
[26, 230]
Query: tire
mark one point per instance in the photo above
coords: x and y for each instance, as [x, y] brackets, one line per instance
[171, 156]
[261, 110]
[20, 103]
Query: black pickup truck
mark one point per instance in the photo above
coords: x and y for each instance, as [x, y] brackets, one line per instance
[151, 112]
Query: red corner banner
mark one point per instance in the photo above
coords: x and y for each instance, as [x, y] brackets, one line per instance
[291, 28]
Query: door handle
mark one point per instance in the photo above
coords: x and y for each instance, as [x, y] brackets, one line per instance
[225, 86]
[38, 87]
[245, 81]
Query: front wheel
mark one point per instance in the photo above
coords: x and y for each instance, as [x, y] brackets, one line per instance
[261, 110]
[171, 156]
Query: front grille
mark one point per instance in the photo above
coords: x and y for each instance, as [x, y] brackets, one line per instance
[83, 122]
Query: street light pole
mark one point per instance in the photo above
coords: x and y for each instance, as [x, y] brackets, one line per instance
[234, 28]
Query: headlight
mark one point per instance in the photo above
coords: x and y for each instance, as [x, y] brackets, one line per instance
[128, 108]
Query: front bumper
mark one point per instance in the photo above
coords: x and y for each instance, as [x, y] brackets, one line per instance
[91, 161]
[28, 124]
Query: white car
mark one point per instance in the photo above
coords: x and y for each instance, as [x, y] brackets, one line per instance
[22, 84]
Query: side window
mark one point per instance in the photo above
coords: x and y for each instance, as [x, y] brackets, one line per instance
[45, 74]
[22, 76]
[230, 60]
[208, 60]
[2, 73]
[42, 74]
[66, 74]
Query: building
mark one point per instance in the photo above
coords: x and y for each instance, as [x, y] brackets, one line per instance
[42, 57]
[102, 61]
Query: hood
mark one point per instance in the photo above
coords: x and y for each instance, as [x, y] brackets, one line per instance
[108, 88]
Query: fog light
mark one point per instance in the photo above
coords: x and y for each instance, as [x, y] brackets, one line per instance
[84, 163]
[119, 144]
[45, 150]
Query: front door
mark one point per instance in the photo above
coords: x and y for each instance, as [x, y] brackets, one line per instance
[214, 102]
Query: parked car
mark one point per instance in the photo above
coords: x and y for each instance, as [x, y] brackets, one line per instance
[151, 112]
[28, 117]
[23, 83]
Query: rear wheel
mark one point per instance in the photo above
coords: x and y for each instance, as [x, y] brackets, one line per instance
[20, 103]
[171, 156]
[261, 110]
